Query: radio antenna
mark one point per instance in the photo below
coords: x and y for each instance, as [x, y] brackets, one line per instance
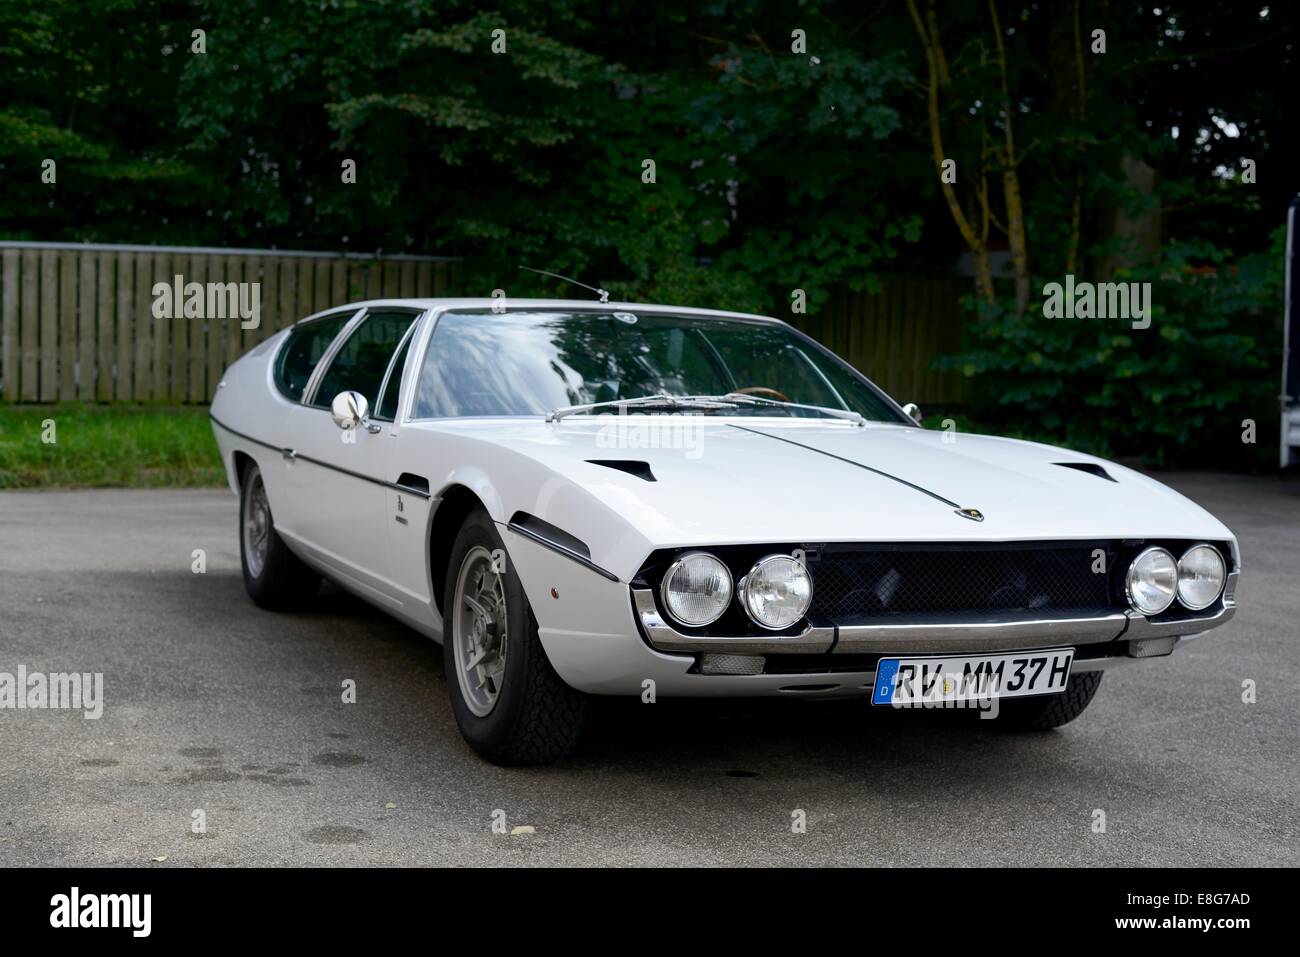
[602, 293]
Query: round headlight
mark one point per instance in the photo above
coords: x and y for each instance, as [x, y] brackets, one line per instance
[776, 592]
[697, 589]
[1201, 572]
[1152, 581]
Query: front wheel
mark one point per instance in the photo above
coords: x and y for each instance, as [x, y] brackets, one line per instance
[509, 703]
[274, 577]
[1050, 711]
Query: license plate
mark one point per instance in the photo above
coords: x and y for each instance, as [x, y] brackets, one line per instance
[941, 680]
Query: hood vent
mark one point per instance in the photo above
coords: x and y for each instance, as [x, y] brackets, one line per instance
[640, 469]
[1089, 467]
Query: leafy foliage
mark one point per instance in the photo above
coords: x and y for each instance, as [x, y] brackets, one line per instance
[1178, 392]
[777, 166]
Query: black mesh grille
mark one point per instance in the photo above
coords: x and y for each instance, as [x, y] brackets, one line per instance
[858, 585]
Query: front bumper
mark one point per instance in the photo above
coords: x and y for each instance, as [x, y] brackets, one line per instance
[937, 635]
[606, 637]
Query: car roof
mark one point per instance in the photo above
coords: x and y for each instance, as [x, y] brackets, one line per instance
[520, 305]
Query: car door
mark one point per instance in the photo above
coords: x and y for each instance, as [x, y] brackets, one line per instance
[339, 476]
[305, 347]
[418, 460]
[412, 460]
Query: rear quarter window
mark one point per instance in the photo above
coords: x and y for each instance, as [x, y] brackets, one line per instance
[302, 350]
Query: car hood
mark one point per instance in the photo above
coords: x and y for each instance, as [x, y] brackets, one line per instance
[744, 479]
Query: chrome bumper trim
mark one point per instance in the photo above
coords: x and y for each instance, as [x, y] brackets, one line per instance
[664, 637]
[1140, 627]
[1025, 631]
[1017, 632]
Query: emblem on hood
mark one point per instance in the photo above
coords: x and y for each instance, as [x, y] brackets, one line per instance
[974, 514]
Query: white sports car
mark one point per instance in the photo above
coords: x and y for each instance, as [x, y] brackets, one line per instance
[579, 498]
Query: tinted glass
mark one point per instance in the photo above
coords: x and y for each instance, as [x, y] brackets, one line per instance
[388, 404]
[359, 366]
[303, 349]
[527, 363]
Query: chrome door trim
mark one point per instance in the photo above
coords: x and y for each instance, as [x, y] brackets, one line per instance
[298, 457]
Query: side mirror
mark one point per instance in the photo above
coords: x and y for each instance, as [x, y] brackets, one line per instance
[911, 409]
[350, 410]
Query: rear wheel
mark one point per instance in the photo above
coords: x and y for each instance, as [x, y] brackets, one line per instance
[1049, 711]
[274, 577]
[509, 703]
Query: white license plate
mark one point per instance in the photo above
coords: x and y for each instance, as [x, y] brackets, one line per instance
[907, 681]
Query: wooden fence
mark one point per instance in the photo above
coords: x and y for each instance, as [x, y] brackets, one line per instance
[892, 336]
[77, 322]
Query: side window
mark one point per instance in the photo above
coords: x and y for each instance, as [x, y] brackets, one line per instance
[388, 402]
[303, 349]
[360, 364]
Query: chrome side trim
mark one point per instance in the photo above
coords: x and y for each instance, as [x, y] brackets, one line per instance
[665, 637]
[966, 634]
[559, 549]
[293, 456]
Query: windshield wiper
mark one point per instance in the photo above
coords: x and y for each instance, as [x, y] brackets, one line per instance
[660, 401]
[848, 414]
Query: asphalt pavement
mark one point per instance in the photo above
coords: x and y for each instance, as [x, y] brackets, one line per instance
[212, 705]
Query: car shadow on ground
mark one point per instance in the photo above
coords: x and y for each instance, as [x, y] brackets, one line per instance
[677, 733]
[672, 739]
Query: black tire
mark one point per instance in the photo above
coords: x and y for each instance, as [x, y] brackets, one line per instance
[536, 718]
[1049, 711]
[284, 581]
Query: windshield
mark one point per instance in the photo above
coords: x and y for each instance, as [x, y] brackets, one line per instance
[530, 363]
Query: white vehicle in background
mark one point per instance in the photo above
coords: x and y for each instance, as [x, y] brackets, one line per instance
[581, 498]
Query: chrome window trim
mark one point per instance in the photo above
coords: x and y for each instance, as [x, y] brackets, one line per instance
[407, 400]
[318, 373]
[342, 339]
[308, 321]
[680, 311]
[825, 381]
[388, 373]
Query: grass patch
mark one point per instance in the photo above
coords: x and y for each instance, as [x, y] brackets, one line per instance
[96, 446]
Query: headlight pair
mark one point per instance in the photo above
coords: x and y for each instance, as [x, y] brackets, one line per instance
[1155, 578]
[775, 594]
